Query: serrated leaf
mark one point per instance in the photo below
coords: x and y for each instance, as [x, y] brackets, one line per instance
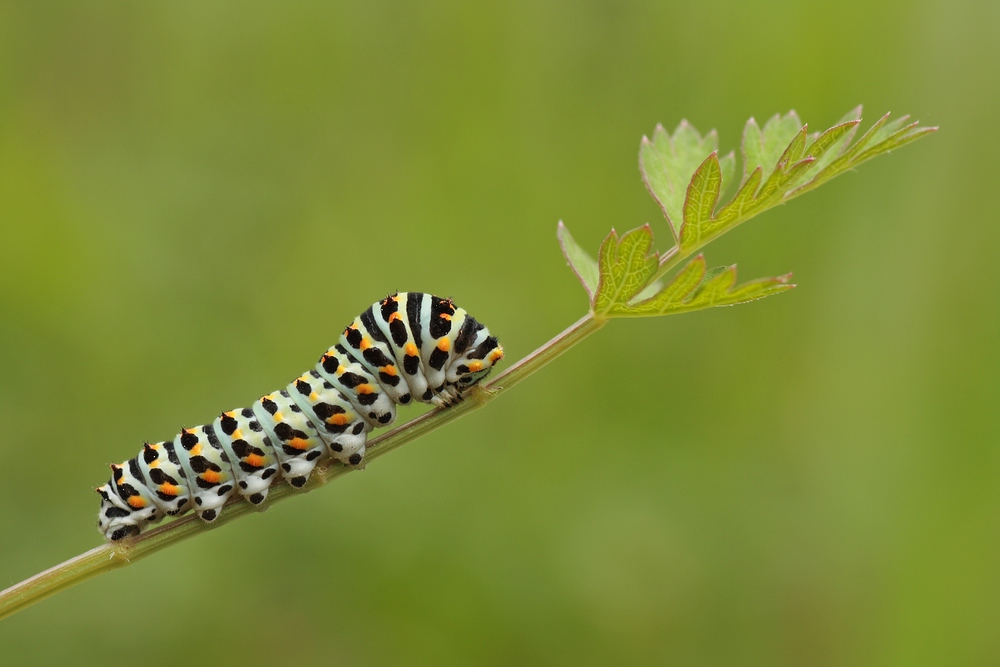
[777, 172]
[764, 148]
[868, 137]
[626, 266]
[583, 265]
[781, 161]
[667, 164]
[880, 138]
[727, 163]
[711, 274]
[694, 288]
[738, 206]
[721, 290]
[796, 148]
[794, 172]
[753, 151]
[701, 224]
[649, 291]
[889, 128]
[899, 138]
[788, 168]
[699, 204]
[679, 288]
[826, 147]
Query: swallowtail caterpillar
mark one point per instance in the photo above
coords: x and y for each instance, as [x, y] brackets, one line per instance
[408, 347]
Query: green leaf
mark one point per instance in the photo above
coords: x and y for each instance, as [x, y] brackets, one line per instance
[899, 138]
[626, 266]
[695, 288]
[796, 149]
[667, 164]
[880, 138]
[781, 161]
[685, 175]
[721, 290]
[738, 207]
[679, 288]
[826, 147]
[763, 148]
[712, 273]
[699, 204]
[727, 163]
[701, 224]
[583, 265]
[649, 291]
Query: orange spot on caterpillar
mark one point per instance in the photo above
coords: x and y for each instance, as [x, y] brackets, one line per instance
[278, 417]
[298, 443]
[211, 476]
[411, 350]
[237, 434]
[364, 389]
[445, 316]
[169, 489]
[340, 370]
[338, 420]
[496, 355]
[314, 397]
[256, 460]
[444, 344]
[196, 450]
[365, 344]
[475, 366]
[394, 316]
[136, 502]
[388, 370]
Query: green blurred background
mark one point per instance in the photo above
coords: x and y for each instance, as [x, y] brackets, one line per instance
[196, 197]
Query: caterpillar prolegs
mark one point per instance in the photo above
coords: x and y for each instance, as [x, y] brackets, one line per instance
[408, 347]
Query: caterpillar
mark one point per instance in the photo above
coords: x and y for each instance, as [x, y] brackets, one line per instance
[410, 346]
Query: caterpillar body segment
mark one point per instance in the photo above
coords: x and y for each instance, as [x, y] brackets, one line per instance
[357, 385]
[206, 468]
[410, 346]
[250, 452]
[164, 478]
[340, 426]
[392, 320]
[297, 444]
[370, 346]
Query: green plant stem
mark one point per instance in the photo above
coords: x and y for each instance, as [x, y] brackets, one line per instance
[110, 556]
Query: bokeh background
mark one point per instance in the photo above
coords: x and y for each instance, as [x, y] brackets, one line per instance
[196, 197]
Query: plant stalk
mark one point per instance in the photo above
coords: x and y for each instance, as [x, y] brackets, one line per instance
[111, 556]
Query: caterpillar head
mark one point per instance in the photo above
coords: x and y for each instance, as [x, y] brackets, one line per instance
[124, 508]
[115, 519]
